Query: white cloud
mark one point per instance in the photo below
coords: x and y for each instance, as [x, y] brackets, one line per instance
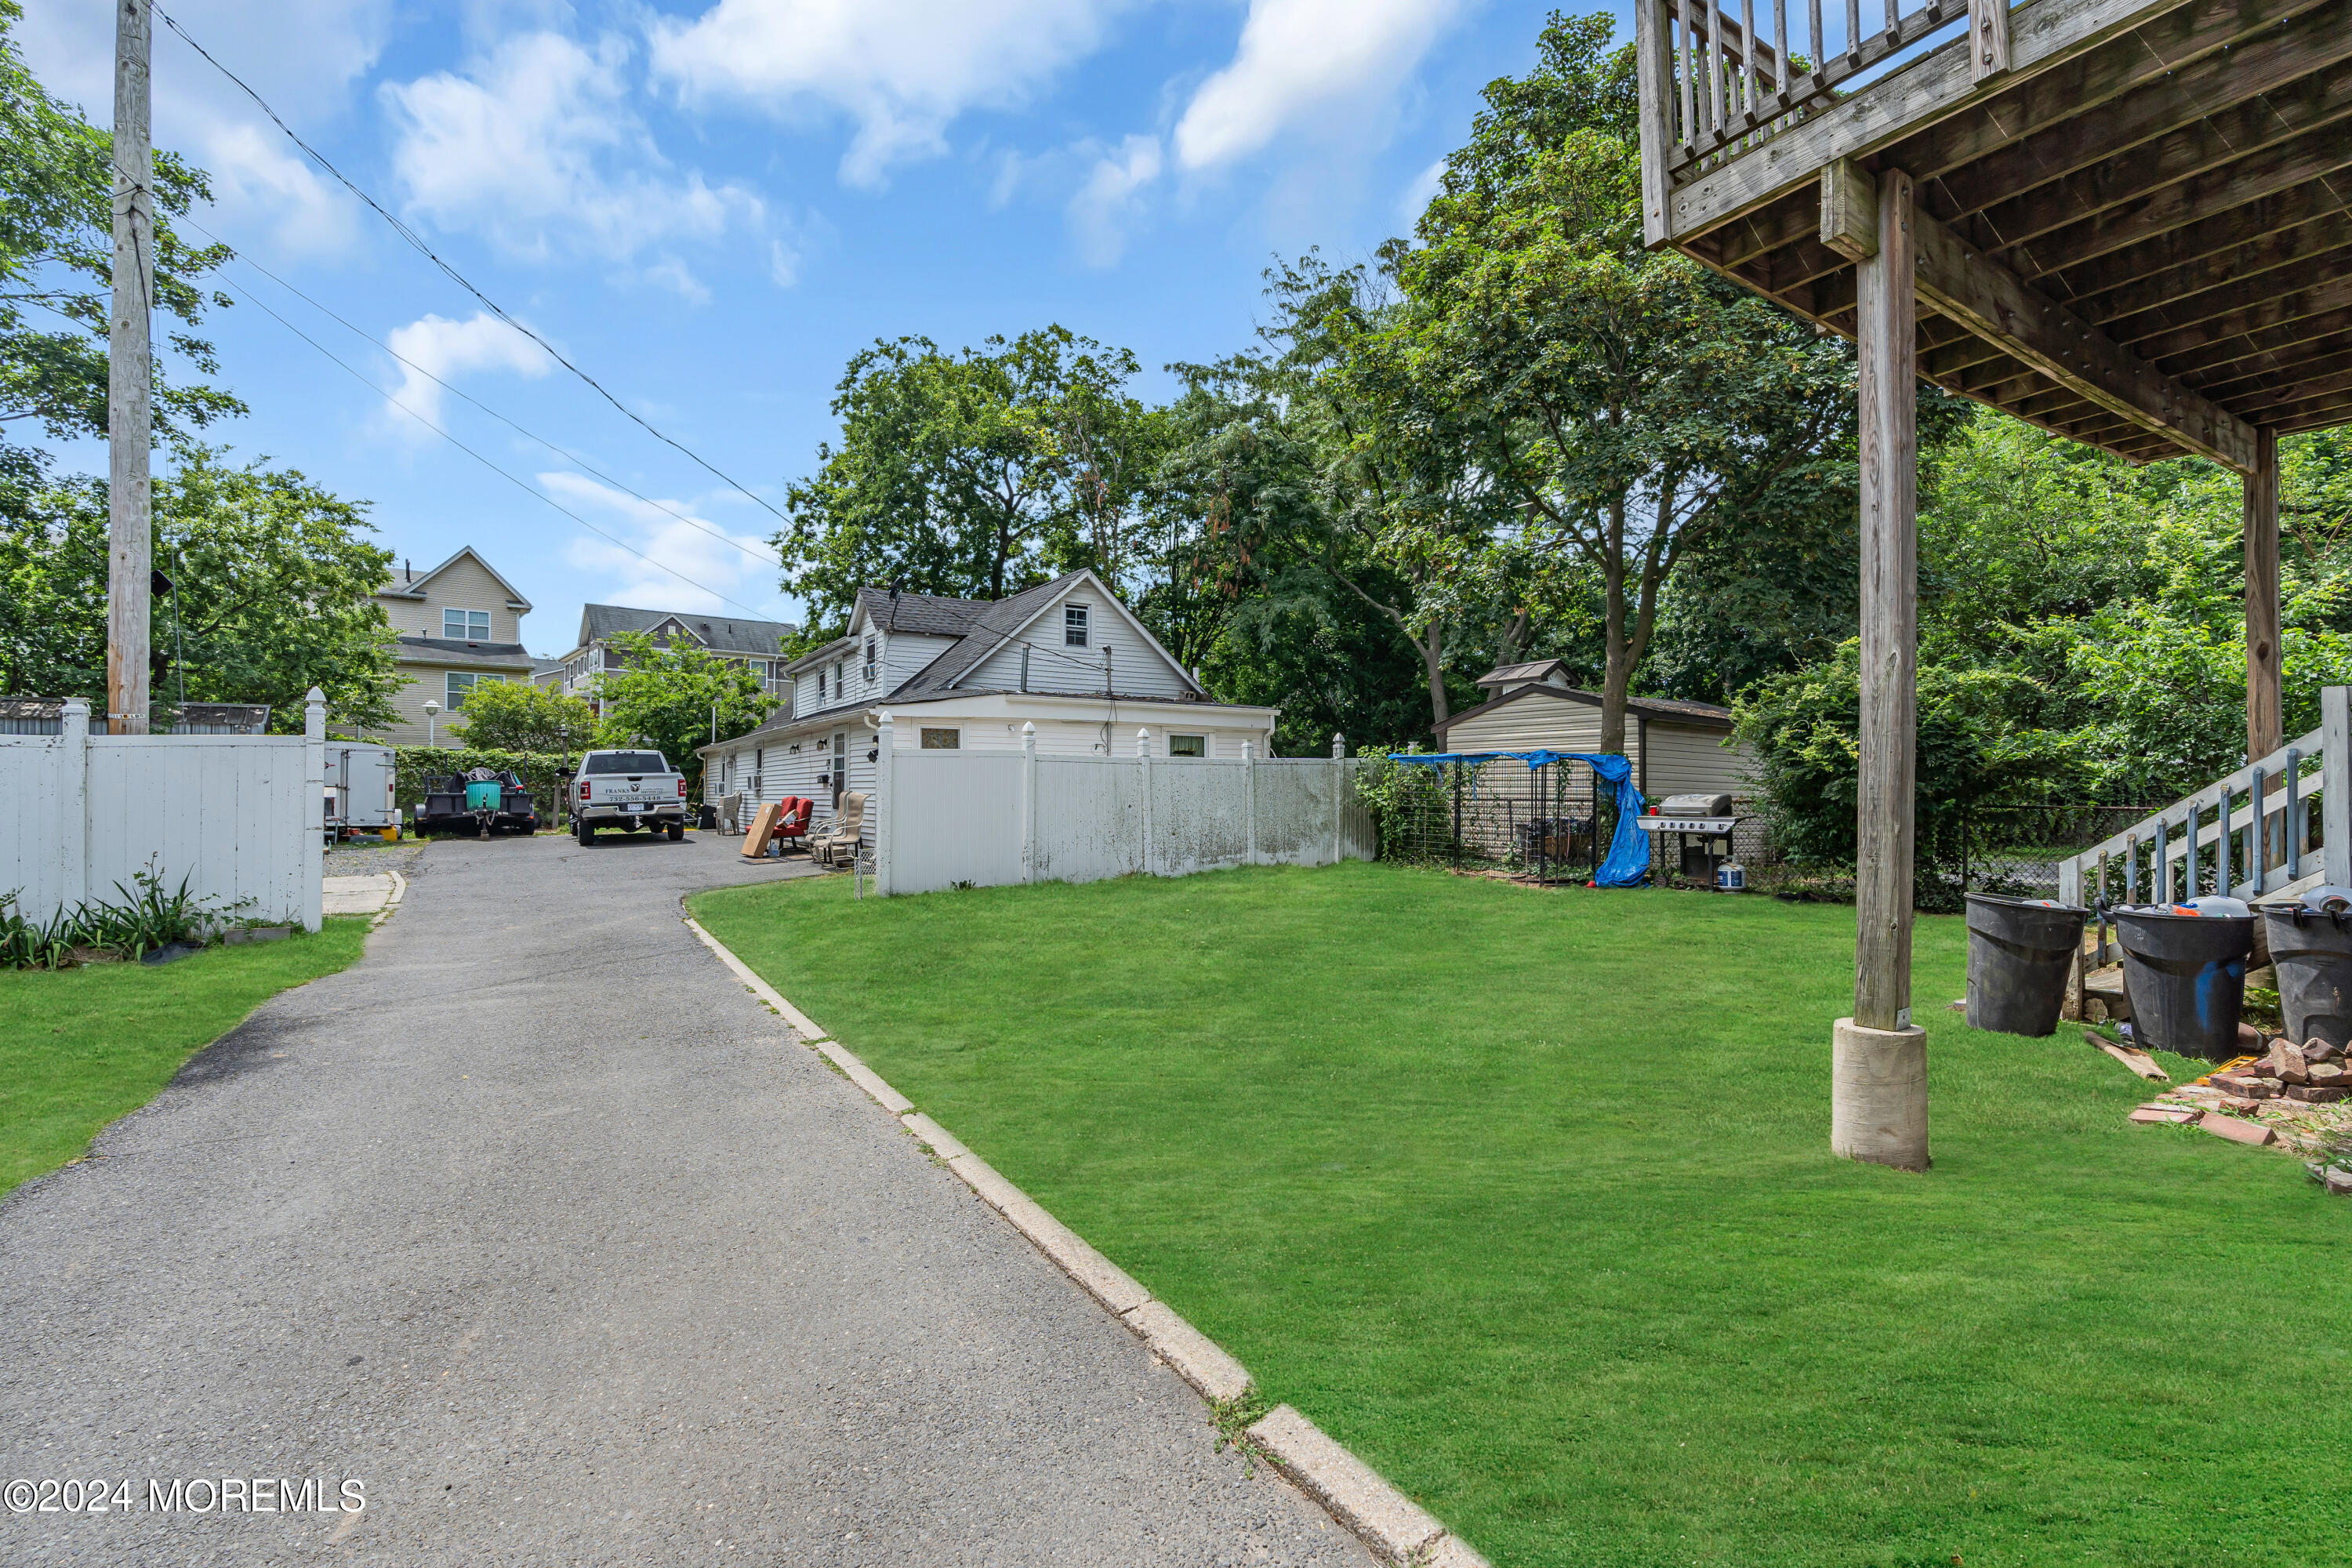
[716, 565]
[902, 69]
[1418, 194]
[536, 148]
[1110, 200]
[303, 55]
[1299, 58]
[434, 346]
[784, 264]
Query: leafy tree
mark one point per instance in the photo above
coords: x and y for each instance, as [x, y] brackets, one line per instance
[971, 474]
[1629, 404]
[272, 578]
[665, 695]
[518, 716]
[1805, 729]
[1290, 491]
[56, 260]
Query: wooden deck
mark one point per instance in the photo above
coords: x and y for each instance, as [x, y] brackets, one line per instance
[2138, 234]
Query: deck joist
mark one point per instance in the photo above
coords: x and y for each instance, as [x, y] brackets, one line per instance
[2139, 235]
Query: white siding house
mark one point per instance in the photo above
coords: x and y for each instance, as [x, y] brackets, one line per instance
[1675, 747]
[967, 675]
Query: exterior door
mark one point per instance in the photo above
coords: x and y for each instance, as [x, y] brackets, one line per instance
[840, 765]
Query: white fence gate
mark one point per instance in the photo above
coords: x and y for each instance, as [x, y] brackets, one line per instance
[240, 816]
[987, 819]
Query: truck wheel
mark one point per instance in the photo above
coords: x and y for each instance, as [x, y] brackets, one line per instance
[587, 835]
[678, 832]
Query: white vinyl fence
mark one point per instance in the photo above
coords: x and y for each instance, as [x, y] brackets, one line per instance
[986, 818]
[240, 816]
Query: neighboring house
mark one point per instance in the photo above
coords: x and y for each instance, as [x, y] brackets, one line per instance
[458, 624]
[756, 645]
[966, 675]
[1676, 748]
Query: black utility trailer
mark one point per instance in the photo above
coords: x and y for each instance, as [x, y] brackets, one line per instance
[479, 799]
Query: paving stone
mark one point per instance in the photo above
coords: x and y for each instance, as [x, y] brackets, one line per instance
[1390, 1523]
[944, 1144]
[1198, 1359]
[1097, 1275]
[2237, 1132]
[2308, 1095]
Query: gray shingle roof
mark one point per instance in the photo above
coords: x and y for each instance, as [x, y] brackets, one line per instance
[925, 614]
[500, 652]
[720, 634]
[989, 630]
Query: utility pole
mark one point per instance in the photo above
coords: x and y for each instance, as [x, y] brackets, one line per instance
[130, 376]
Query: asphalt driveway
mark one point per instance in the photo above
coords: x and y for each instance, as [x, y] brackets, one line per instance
[539, 1228]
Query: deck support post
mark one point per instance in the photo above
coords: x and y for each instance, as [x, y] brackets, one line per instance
[2265, 730]
[1878, 1095]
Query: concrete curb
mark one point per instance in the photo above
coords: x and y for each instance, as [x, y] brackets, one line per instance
[1395, 1527]
[399, 891]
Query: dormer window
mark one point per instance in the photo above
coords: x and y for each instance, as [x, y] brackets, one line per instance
[1073, 626]
[466, 626]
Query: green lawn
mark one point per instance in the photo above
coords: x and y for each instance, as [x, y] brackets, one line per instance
[1527, 1199]
[82, 1046]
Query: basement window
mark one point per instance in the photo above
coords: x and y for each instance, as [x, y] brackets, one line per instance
[942, 740]
[1187, 745]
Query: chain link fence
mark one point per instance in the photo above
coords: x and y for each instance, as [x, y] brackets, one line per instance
[1552, 823]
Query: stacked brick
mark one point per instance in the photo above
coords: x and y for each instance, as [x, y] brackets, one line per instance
[2315, 1073]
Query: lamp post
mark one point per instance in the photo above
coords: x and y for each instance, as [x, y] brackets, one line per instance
[431, 709]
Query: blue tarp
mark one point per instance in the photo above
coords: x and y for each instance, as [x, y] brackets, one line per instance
[1627, 861]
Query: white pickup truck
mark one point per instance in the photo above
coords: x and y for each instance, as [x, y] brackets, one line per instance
[633, 791]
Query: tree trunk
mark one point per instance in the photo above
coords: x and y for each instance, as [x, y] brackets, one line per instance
[1617, 671]
[1433, 659]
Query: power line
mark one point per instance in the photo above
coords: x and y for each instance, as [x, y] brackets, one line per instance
[565, 453]
[510, 479]
[417, 240]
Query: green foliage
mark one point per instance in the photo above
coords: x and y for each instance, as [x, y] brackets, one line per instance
[1804, 727]
[1400, 796]
[1627, 403]
[137, 924]
[971, 474]
[546, 774]
[520, 716]
[665, 696]
[272, 575]
[56, 264]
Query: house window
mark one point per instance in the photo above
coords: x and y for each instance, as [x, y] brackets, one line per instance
[869, 660]
[466, 626]
[1187, 745]
[459, 685]
[942, 740]
[1073, 626]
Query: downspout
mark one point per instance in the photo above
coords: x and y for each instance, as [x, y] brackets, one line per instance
[1641, 739]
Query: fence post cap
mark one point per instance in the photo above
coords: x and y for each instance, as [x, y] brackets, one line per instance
[1338, 744]
[77, 705]
[1027, 727]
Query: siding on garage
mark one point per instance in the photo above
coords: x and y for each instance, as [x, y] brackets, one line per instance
[1690, 760]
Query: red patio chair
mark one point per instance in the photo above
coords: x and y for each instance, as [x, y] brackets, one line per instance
[793, 820]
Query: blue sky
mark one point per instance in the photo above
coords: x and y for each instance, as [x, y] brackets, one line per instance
[710, 205]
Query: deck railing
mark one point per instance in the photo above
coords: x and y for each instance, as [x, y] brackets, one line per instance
[2252, 833]
[1730, 85]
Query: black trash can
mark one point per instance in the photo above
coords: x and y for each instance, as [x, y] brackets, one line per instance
[2019, 951]
[2312, 952]
[2186, 975]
